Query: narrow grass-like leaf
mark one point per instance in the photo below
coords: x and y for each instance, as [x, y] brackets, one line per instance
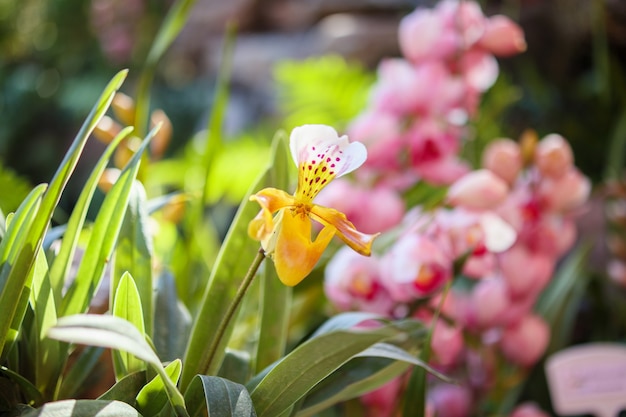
[133, 252]
[14, 274]
[153, 396]
[127, 305]
[236, 366]
[357, 377]
[46, 352]
[235, 256]
[172, 321]
[115, 333]
[218, 397]
[28, 389]
[74, 381]
[298, 372]
[63, 260]
[84, 408]
[103, 237]
[168, 31]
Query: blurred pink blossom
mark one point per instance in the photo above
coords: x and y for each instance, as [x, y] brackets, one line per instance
[553, 156]
[529, 409]
[450, 400]
[526, 341]
[525, 272]
[478, 190]
[352, 282]
[503, 157]
[382, 402]
[414, 267]
[447, 343]
[502, 37]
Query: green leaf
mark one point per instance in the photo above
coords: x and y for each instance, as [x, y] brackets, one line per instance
[77, 376]
[235, 256]
[103, 237]
[168, 31]
[357, 377]
[126, 389]
[298, 372]
[236, 366]
[10, 180]
[46, 354]
[84, 408]
[172, 321]
[133, 252]
[153, 396]
[127, 305]
[115, 333]
[63, 260]
[222, 398]
[28, 389]
[14, 275]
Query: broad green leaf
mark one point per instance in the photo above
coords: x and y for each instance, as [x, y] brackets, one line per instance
[80, 371]
[344, 321]
[236, 366]
[172, 321]
[235, 256]
[126, 389]
[103, 237]
[219, 397]
[357, 377]
[168, 31]
[153, 396]
[46, 352]
[84, 408]
[115, 333]
[63, 260]
[127, 305]
[298, 372]
[14, 274]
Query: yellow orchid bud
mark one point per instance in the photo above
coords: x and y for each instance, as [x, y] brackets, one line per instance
[161, 140]
[106, 130]
[124, 108]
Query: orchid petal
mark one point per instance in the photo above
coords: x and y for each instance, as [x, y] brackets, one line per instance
[295, 255]
[271, 200]
[360, 242]
[320, 156]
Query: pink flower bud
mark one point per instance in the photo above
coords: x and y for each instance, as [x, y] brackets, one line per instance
[566, 192]
[525, 342]
[478, 190]
[503, 157]
[525, 272]
[529, 409]
[502, 36]
[490, 299]
[422, 36]
[450, 400]
[382, 401]
[447, 343]
[553, 156]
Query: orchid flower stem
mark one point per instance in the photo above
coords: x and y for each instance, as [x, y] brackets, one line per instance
[234, 305]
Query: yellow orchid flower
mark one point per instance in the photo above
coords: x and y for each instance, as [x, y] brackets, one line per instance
[283, 226]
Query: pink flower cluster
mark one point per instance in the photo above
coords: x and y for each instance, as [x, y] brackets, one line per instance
[414, 123]
[501, 231]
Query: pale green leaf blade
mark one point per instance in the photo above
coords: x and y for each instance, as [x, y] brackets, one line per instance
[63, 260]
[14, 271]
[219, 397]
[153, 396]
[126, 389]
[133, 252]
[115, 333]
[103, 237]
[127, 306]
[84, 408]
